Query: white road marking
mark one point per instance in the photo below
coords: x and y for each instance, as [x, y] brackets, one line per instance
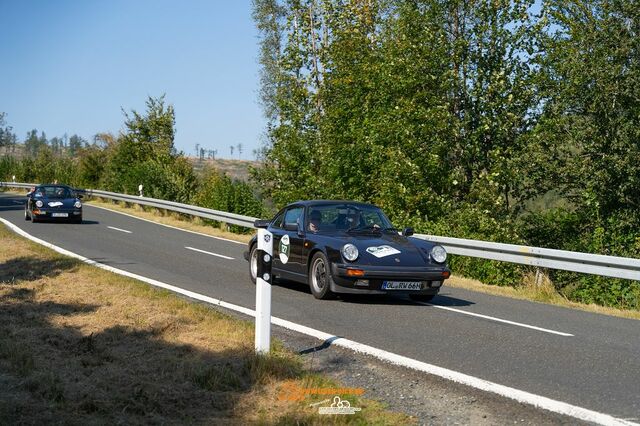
[118, 229]
[521, 396]
[208, 252]
[519, 324]
[165, 225]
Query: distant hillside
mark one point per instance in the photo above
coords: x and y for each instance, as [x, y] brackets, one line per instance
[235, 169]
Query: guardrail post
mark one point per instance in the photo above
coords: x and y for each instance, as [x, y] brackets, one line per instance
[263, 291]
[140, 189]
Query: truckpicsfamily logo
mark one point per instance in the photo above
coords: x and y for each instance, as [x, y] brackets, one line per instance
[284, 248]
[339, 406]
[293, 392]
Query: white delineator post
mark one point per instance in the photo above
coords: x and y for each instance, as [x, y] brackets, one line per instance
[263, 291]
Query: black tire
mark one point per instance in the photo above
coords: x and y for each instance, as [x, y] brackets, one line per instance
[77, 220]
[26, 214]
[320, 279]
[253, 263]
[34, 219]
[422, 297]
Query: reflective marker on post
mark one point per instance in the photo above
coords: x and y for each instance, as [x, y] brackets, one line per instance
[263, 291]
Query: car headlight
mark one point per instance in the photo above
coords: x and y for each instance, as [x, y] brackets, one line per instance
[39, 204]
[350, 252]
[439, 254]
[77, 204]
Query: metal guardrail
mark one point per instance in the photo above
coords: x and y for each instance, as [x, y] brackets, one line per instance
[595, 264]
[220, 216]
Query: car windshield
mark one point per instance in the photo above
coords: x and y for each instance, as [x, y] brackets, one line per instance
[329, 218]
[53, 192]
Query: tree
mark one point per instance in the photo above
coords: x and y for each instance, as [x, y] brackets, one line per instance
[34, 143]
[412, 105]
[7, 137]
[75, 144]
[145, 154]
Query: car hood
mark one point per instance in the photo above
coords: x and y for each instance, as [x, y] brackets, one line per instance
[63, 203]
[387, 249]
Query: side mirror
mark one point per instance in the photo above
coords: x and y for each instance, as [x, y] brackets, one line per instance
[407, 232]
[80, 196]
[261, 223]
[291, 227]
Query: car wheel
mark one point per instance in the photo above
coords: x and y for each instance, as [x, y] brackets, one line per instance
[34, 218]
[76, 220]
[422, 297]
[253, 263]
[26, 215]
[320, 279]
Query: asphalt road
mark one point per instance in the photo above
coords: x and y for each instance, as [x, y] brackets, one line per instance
[584, 359]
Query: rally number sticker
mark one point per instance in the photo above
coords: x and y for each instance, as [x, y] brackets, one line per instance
[284, 249]
[382, 251]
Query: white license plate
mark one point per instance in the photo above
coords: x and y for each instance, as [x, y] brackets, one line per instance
[59, 214]
[401, 285]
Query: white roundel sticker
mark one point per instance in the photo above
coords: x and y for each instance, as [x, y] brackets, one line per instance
[284, 249]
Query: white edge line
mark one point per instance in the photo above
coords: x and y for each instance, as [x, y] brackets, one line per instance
[519, 324]
[542, 402]
[165, 225]
[210, 253]
[118, 229]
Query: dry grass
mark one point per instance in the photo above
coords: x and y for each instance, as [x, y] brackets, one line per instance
[79, 345]
[541, 291]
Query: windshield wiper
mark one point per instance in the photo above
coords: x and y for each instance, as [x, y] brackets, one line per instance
[374, 228]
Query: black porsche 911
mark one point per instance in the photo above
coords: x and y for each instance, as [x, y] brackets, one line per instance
[53, 202]
[350, 247]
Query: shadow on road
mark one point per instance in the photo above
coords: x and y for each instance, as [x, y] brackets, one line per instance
[11, 203]
[65, 222]
[378, 299]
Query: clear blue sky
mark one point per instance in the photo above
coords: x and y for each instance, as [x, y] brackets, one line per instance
[69, 66]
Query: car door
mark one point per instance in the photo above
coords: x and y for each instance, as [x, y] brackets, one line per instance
[288, 240]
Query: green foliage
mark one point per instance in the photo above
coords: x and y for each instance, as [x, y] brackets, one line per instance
[218, 192]
[146, 155]
[34, 143]
[7, 137]
[457, 117]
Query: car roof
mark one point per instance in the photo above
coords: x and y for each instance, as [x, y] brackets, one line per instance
[313, 203]
[52, 185]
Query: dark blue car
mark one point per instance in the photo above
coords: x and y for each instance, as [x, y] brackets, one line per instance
[350, 247]
[53, 202]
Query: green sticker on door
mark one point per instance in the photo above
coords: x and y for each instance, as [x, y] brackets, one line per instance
[284, 248]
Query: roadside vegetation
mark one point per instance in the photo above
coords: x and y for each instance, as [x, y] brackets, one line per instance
[506, 121]
[79, 345]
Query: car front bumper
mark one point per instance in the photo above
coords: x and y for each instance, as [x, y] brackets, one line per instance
[370, 279]
[51, 214]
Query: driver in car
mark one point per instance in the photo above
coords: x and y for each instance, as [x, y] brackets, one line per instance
[315, 217]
